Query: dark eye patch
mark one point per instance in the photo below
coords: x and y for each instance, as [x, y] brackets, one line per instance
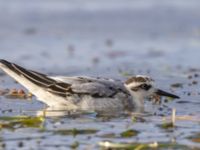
[145, 87]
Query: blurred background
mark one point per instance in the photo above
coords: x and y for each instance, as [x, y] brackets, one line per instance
[100, 37]
[111, 38]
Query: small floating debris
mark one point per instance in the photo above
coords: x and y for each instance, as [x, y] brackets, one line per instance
[3, 92]
[75, 145]
[196, 75]
[173, 116]
[140, 146]
[171, 124]
[20, 144]
[30, 31]
[95, 60]
[71, 49]
[116, 54]
[108, 135]
[177, 85]
[194, 82]
[109, 144]
[194, 70]
[195, 138]
[191, 76]
[18, 94]
[109, 42]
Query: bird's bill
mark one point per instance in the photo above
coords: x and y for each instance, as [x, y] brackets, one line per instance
[163, 93]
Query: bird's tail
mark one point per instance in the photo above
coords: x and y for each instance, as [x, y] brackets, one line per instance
[47, 90]
[29, 79]
[34, 81]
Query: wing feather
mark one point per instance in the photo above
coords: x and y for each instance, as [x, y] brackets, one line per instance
[96, 87]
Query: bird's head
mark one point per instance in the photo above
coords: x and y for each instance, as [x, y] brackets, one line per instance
[142, 87]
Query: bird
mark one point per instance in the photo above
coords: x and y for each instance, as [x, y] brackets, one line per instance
[82, 93]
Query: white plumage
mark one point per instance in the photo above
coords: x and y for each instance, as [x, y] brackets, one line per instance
[85, 93]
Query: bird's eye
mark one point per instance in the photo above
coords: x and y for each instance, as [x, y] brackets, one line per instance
[145, 87]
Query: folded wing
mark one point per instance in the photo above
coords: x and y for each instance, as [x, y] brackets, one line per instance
[66, 86]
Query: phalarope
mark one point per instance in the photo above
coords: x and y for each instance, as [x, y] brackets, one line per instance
[85, 93]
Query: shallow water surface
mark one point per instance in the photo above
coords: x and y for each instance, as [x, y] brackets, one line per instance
[108, 39]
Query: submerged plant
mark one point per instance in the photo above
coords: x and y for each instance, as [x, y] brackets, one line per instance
[21, 122]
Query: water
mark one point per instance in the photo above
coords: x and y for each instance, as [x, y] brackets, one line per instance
[103, 38]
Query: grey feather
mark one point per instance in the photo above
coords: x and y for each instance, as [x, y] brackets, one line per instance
[72, 93]
[100, 87]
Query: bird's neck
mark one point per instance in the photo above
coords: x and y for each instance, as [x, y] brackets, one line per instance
[137, 99]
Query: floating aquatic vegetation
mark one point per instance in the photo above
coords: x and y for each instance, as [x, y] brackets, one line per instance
[124, 74]
[75, 131]
[21, 122]
[168, 99]
[129, 133]
[167, 125]
[137, 118]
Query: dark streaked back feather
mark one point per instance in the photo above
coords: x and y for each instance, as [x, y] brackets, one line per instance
[96, 87]
[39, 79]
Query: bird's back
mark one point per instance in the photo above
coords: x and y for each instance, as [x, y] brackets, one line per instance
[93, 94]
[97, 94]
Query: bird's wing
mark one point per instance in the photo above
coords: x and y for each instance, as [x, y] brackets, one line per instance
[71, 85]
[35, 77]
[40, 80]
[96, 87]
